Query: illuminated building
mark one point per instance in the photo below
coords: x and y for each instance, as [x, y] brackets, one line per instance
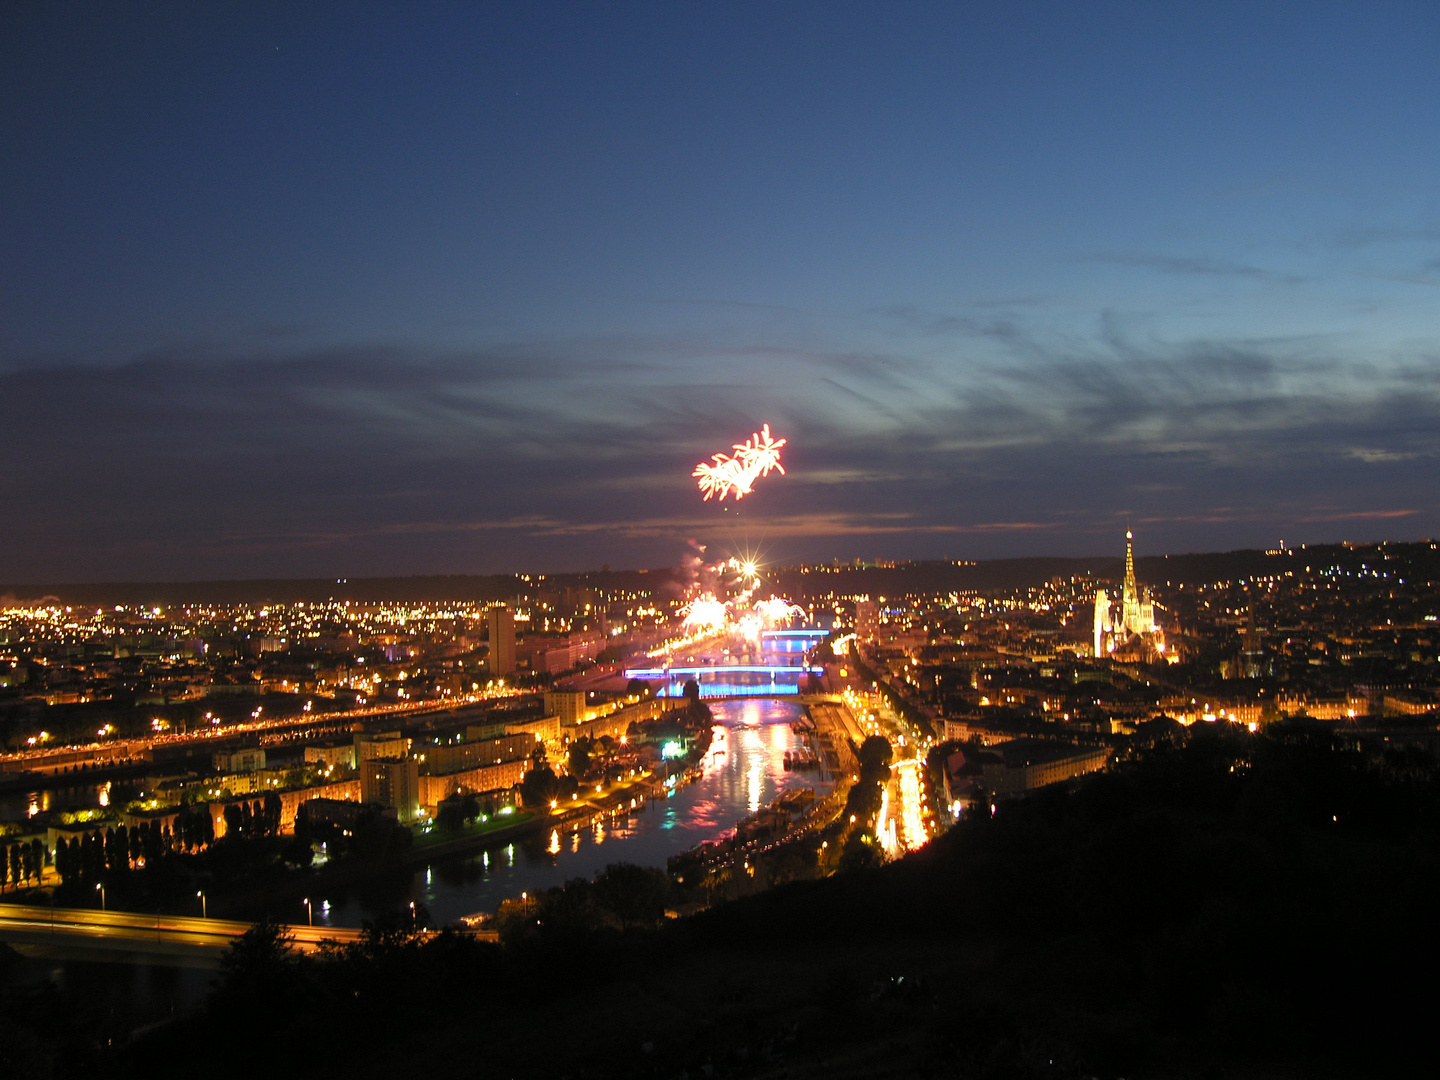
[393, 783]
[502, 641]
[1022, 765]
[865, 619]
[568, 705]
[239, 761]
[1127, 630]
[384, 744]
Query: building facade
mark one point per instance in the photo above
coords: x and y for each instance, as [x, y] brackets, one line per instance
[502, 641]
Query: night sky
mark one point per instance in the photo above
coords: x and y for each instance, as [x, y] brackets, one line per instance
[349, 289]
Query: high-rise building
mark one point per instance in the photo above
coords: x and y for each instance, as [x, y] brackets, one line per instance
[502, 641]
[392, 782]
[865, 619]
[568, 705]
[381, 744]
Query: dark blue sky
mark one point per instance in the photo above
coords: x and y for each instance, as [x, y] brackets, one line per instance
[313, 289]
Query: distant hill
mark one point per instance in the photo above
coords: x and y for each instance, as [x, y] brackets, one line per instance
[1416, 562]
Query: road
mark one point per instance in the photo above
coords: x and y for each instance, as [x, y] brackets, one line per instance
[156, 937]
[36, 758]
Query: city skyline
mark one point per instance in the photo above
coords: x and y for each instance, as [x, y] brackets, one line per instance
[471, 290]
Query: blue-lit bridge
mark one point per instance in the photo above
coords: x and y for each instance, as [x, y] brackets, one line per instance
[696, 671]
[731, 679]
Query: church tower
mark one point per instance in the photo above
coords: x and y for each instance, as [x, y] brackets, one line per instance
[1130, 597]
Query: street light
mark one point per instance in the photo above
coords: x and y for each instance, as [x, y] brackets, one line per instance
[203, 913]
[309, 911]
[413, 923]
[101, 887]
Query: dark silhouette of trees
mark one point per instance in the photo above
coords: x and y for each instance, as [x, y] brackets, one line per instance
[450, 814]
[539, 787]
[580, 756]
[635, 895]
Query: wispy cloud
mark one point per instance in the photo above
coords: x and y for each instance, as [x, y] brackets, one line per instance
[1191, 265]
[579, 450]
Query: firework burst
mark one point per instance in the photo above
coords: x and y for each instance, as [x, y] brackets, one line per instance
[727, 474]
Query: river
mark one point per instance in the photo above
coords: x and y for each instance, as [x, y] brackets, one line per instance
[18, 804]
[743, 771]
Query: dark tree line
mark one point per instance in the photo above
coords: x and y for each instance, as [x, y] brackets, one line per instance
[371, 835]
[22, 862]
[259, 819]
[624, 897]
[459, 810]
[111, 854]
[859, 850]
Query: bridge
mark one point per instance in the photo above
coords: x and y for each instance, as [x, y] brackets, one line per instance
[721, 681]
[696, 670]
[176, 940]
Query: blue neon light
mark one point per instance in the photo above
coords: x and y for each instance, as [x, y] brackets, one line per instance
[720, 671]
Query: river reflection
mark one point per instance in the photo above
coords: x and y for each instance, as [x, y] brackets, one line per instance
[20, 805]
[743, 771]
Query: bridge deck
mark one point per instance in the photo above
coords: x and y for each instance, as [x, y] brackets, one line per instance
[159, 938]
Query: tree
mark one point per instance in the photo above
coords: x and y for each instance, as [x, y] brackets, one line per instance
[861, 853]
[540, 786]
[93, 856]
[62, 860]
[117, 851]
[635, 895]
[272, 813]
[875, 751]
[150, 842]
[450, 815]
[260, 966]
[297, 851]
[580, 756]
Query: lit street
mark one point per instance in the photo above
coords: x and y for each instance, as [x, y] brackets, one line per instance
[179, 937]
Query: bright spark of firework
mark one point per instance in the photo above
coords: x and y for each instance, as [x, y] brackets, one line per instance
[777, 610]
[705, 615]
[735, 475]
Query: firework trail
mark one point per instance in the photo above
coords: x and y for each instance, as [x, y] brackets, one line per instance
[735, 475]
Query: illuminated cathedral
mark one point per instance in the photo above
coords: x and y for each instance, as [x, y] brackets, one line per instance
[1128, 630]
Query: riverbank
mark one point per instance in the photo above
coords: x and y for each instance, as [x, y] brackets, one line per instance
[624, 799]
[642, 820]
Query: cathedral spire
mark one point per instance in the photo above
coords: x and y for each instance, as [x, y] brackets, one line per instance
[1131, 591]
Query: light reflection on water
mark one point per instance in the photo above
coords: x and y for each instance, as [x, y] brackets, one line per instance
[18, 804]
[743, 771]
